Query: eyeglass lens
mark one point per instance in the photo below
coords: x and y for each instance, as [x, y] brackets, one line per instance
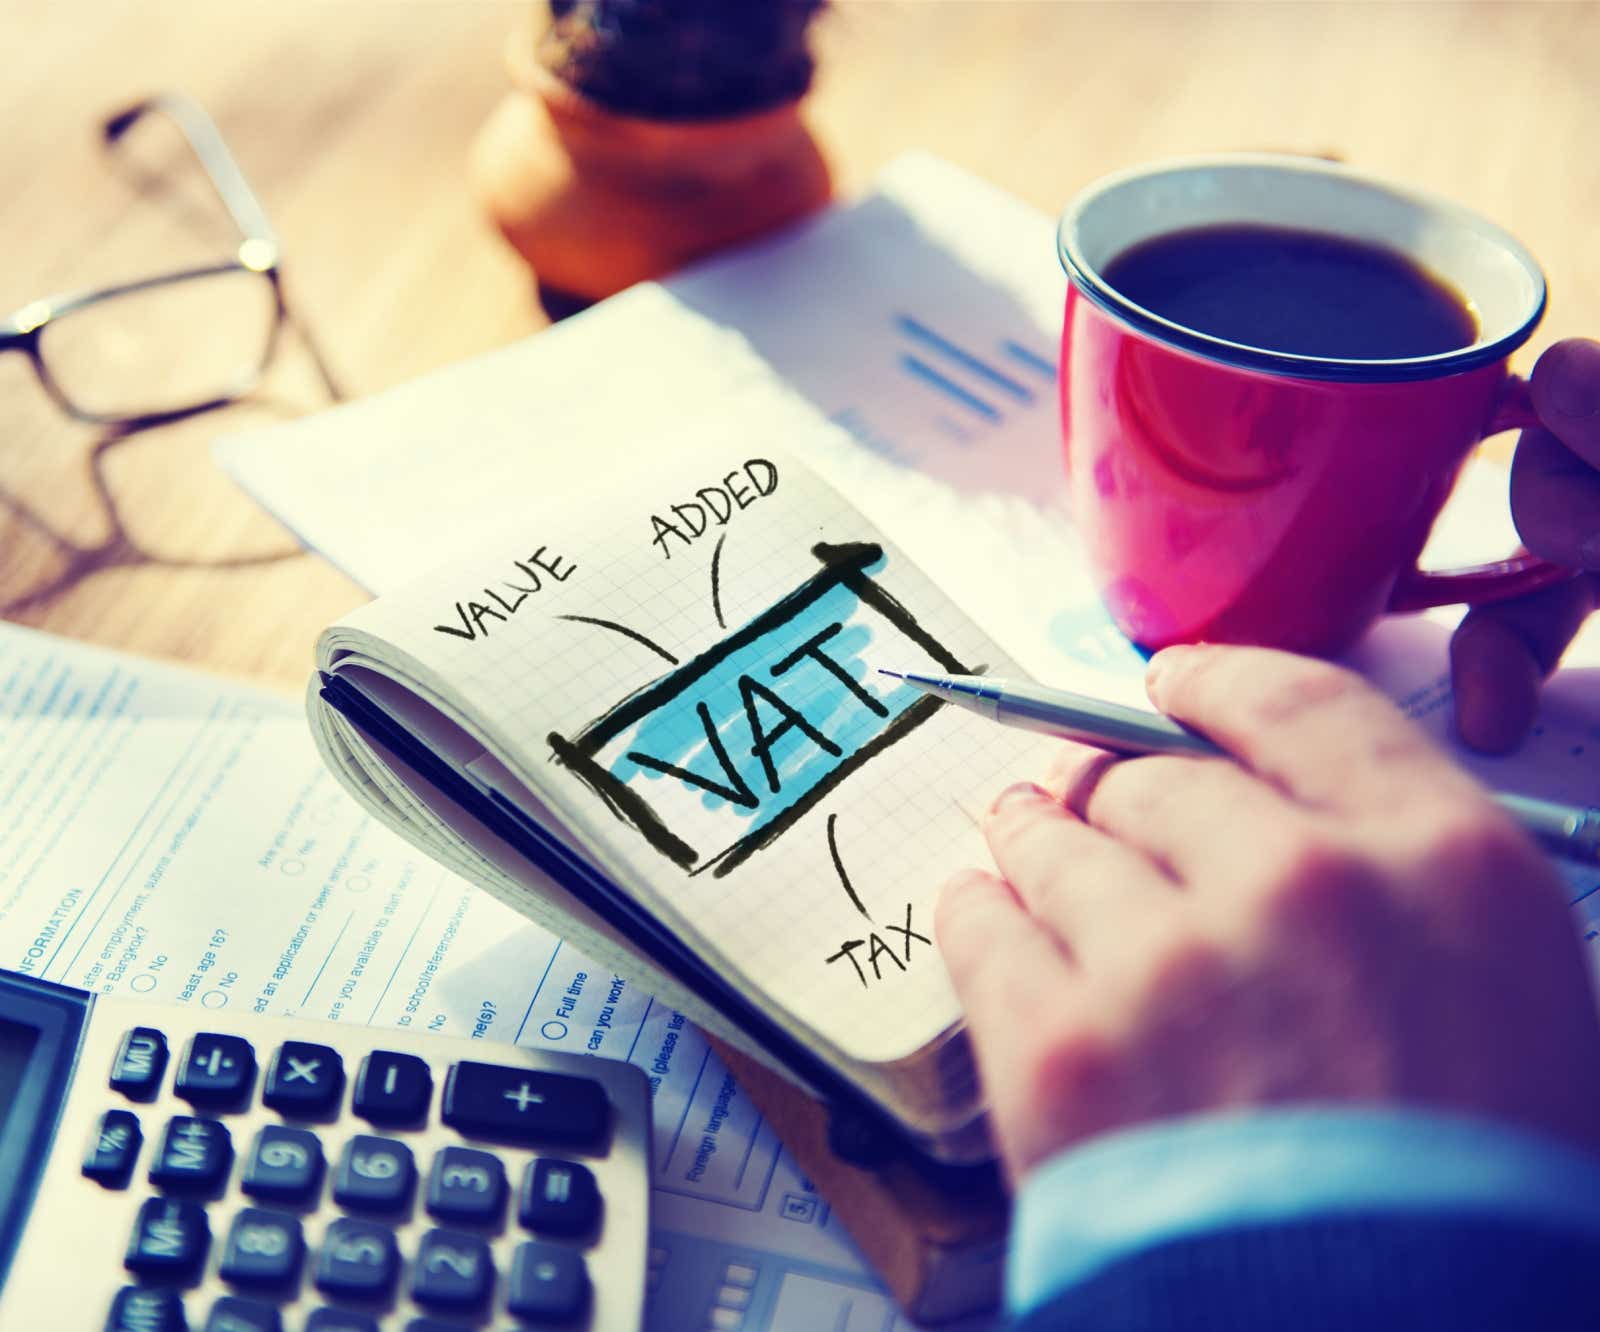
[162, 347]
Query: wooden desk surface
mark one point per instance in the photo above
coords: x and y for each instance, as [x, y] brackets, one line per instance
[353, 120]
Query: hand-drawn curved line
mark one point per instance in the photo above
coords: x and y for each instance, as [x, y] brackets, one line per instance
[838, 865]
[625, 632]
[716, 587]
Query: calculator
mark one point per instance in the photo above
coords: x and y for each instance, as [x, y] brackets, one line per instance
[164, 1171]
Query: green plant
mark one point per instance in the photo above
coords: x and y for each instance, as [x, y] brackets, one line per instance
[681, 59]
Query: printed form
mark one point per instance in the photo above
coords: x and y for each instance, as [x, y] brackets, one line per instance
[176, 837]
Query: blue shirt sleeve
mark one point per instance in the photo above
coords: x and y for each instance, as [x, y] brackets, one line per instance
[1116, 1196]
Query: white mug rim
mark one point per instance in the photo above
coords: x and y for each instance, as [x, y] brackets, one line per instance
[1086, 277]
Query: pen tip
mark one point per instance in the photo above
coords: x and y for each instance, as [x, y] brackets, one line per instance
[894, 675]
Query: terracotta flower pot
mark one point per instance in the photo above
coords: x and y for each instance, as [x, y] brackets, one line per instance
[595, 200]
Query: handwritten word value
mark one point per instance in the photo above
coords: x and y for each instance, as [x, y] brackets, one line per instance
[473, 617]
[713, 505]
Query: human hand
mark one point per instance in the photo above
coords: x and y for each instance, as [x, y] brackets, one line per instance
[1502, 653]
[1340, 915]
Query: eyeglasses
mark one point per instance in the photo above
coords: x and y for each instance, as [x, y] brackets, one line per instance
[168, 346]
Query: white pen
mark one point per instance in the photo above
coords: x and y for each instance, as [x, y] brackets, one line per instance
[1569, 831]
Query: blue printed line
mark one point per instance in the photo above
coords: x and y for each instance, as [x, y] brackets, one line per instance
[1587, 892]
[204, 733]
[1017, 352]
[643, 1017]
[961, 356]
[920, 369]
[687, 1105]
[772, 1169]
[400, 961]
[703, 1197]
[332, 949]
[517, 1039]
[744, 1163]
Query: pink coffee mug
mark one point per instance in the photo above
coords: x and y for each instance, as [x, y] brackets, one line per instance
[1230, 493]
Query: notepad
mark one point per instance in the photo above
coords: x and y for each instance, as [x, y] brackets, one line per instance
[649, 713]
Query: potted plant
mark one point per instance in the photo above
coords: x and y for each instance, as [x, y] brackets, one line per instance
[641, 134]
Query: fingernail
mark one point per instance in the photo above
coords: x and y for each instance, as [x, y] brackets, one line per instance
[1161, 665]
[1022, 793]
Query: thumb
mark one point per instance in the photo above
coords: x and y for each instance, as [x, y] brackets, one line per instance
[1501, 654]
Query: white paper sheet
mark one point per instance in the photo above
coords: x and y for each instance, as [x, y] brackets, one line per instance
[174, 837]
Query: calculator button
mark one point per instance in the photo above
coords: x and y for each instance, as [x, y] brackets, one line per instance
[339, 1320]
[140, 1062]
[547, 1281]
[358, 1258]
[264, 1248]
[285, 1165]
[431, 1325]
[522, 1106]
[304, 1079]
[231, 1314]
[453, 1270]
[559, 1198]
[376, 1173]
[169, 1239]
[146, 1309]
[216, 1070]
[465, 1185]
[392, 1088]
[113, 1147]
[192, 1154]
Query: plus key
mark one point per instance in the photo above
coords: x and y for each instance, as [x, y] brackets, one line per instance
[520, 1106]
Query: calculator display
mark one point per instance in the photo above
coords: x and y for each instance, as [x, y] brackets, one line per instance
[17, 1043]
[38, 1049]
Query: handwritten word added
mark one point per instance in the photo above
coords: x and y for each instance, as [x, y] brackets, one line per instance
[713, 505]
[878, 949]
[473, 617]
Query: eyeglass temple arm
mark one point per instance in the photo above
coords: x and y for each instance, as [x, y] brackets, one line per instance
[226, 177]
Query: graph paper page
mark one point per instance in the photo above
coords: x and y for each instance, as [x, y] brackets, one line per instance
[687, 673]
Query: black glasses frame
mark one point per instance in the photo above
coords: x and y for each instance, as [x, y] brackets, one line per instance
[258, 252]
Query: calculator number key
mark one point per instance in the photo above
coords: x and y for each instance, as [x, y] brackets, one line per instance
[559, 1198]
[339, 1320]
[466, 1185]
[452, 1271]
[169, 1239]
[304, 1079]
[547, 1282]
[113, 1147]
[392, 1088]
[285, 1165]
[140, 1061]
[231, 1314]
[376, 1173]
[192, 1154]
[358, 1258]
[264, 1248]
[146, 1309]
[522, 1106]
[216, 1070]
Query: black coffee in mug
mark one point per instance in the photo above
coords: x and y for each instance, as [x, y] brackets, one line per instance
[1288, 290]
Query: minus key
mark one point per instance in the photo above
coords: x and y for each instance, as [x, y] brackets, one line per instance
[392, 1088]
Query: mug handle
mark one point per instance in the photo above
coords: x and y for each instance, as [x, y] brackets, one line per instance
[1476, 584]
